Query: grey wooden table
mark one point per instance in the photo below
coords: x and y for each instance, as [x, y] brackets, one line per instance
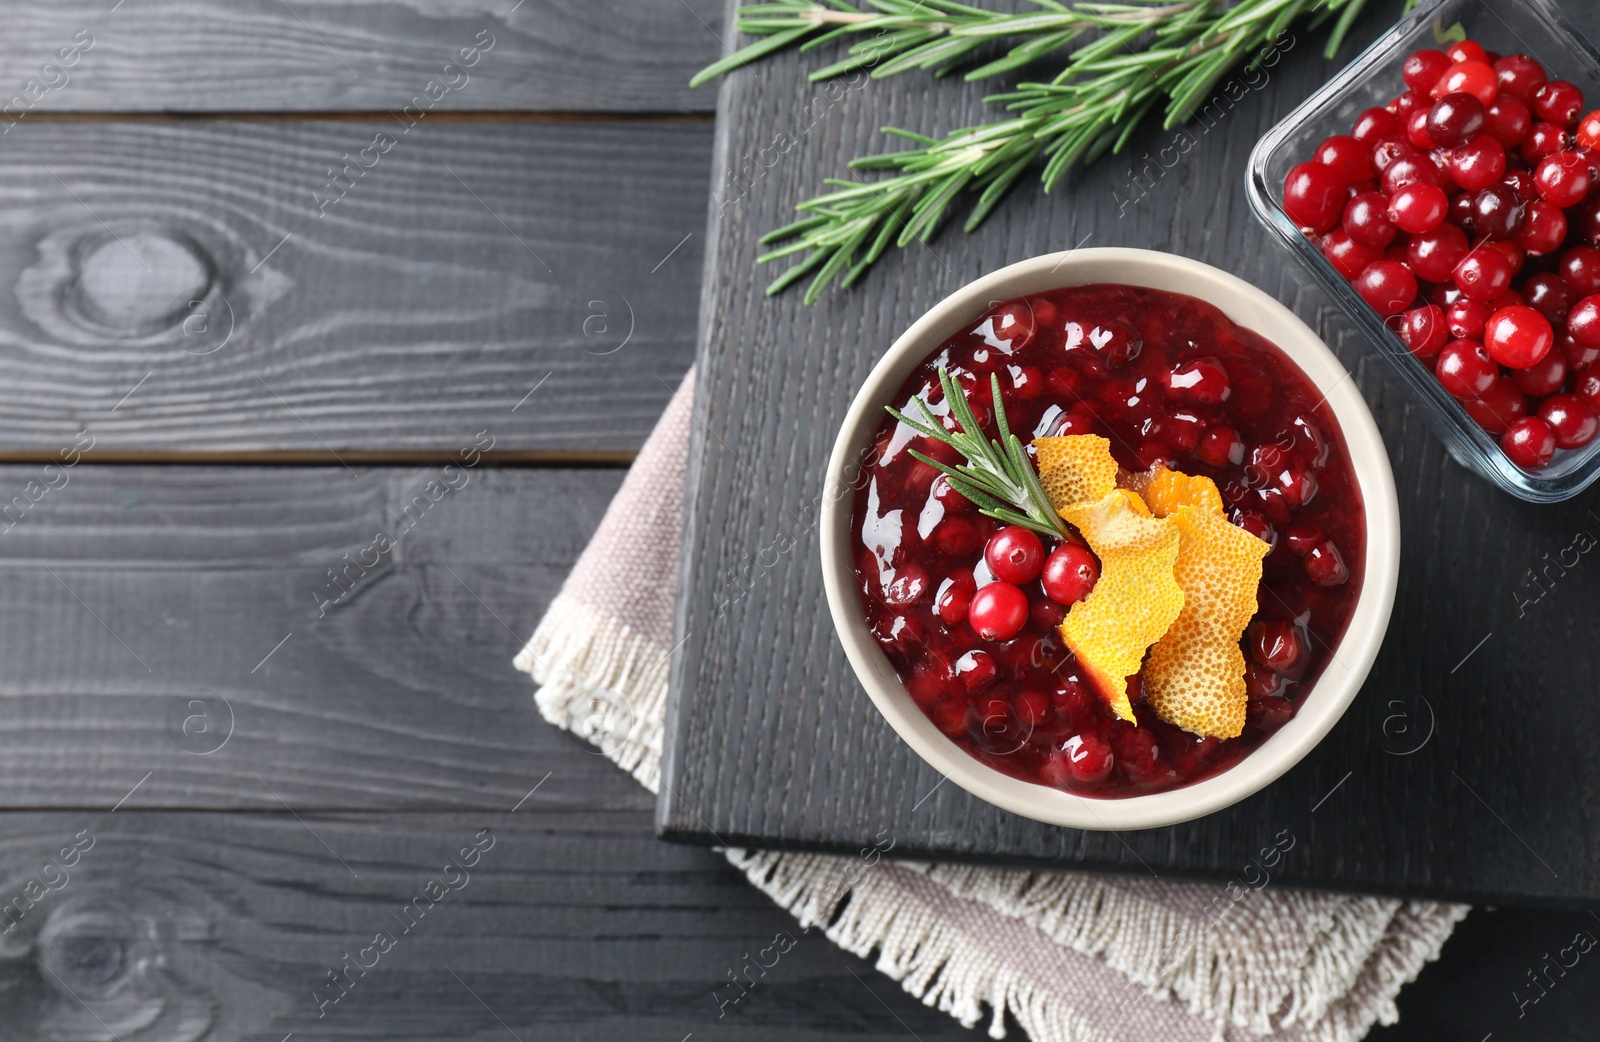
[286, 277]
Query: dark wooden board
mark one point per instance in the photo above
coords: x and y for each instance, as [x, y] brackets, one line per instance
[351, 55]
[573, 925]
[143, 608]
[774, 742]
[178, 287]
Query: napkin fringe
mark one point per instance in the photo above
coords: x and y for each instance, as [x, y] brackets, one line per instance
[603, 682]
[932, 959]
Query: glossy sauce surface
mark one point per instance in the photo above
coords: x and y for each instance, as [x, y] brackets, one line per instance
[1166, 378]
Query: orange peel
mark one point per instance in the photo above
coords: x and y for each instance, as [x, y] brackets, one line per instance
[1075, 468]
[1136, 599]
[1164, 491]
[1194, 677]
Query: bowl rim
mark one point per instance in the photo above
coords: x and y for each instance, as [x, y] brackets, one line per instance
[1352, 659]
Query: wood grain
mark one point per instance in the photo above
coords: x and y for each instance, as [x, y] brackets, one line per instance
[150, 614]
[578, 925]
[347, 55]
[212, 287]
[1485, 809]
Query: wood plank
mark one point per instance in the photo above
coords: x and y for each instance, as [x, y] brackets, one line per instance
[345, 55]
[145, 608]
[1481, 811]
[207, 288]
[578, 925]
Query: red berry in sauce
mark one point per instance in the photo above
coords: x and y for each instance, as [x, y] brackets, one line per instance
[1088, 757]
[1519, 76]
[1517, 337]
[1276, 645]
[1220, 446]
[1032, 708]
[1573, 422]
[998, 611]
[1070, 572]
[976, 670]
[1325, 565]
[1529, 443]
[1465, 369]
[954, 597]
[1203, 381]
[1558, 102]
[1257, 524]
[1014, 555]
[1302, 537]
[1563, 179]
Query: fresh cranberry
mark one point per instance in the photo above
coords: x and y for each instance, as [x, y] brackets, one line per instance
[1472, 77]
[1277, 645]
[1366, 219]
[1507, 120]
[1422, 69]
[1467, 317]
[1455, 119]
[1465, 369]
[1070, 572]
[1220, 447]
[1258, 525]
[1544, 228]
[1408, 105]
[1498, 407]
[1014, 555]
[1483, 274]
[1432, 255]
[1497, 212]
[1521, 178]
[1583, 322]
[998, 611]
[1408, 170]
[1388, 286]
[1587, 385]
[1514, 257]
[1349, 257]
[976, 670]
[1543, 140]
[1423, 331]
[1578, 356]
[1517, 337]
[1558, 102]
[1580, 266]
[1416, 208]
[1347, 157]
[1519, 76]
[1467, 51]
[1573, 422]
[1374, 125]
[1088, 757]
[1478, 164]
[1542, 377]
[1388, 150]
[954, 597]
[1417, 130]
[1203, 381]
[1325, 565]
[1550, 295]
[1563, 178]
[1529, 443]
[1588, 134]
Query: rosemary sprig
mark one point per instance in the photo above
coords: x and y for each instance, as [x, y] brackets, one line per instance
[998, 476]
[924, 34]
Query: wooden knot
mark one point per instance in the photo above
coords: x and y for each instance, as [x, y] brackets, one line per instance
[138, 282]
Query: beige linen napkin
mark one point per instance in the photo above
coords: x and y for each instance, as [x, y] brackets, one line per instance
[1071, 956]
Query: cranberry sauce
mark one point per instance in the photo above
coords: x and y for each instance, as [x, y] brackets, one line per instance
[1166, 378]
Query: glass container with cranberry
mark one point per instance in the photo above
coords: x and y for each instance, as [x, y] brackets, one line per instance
[1445, 188]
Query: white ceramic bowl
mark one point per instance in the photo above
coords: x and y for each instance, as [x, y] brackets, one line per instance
[1320, 708]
